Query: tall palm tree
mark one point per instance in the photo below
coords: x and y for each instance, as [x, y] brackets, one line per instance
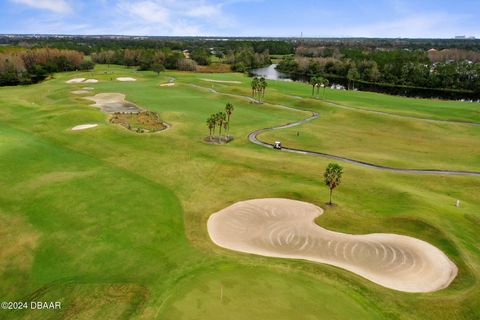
[326, 83]
[221, 118]
[211, 124]
[229, 110]
[333, 177]
[263, 86]
[320, 81]
[254, 85]
[313, 83]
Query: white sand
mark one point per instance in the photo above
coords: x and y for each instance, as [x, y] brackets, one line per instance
[126, 79]
[113, 102]
[81, 80]
[80, 91]
[286, 229]
[88, 88]
[170, 84]
[76, 80]
[220, 81]
[84, 126]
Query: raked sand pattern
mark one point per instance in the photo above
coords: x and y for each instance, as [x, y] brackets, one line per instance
[113, 102]
[285, 228]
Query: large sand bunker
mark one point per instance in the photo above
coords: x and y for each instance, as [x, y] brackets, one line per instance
[285, 228]
[113, 102]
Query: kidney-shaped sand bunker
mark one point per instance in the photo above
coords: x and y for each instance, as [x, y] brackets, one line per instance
[285, 228]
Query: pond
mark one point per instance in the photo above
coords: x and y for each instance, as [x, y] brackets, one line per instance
[270, 73]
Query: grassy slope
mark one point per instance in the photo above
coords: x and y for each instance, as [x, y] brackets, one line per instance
[96, 214]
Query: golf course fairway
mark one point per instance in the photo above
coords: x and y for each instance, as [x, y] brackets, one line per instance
[114, 224]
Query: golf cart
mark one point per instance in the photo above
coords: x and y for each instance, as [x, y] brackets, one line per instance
[277, 145]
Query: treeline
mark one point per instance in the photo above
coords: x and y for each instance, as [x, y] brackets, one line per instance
[240, 60]
[91, 44]
[31, 66]
[390, 44]
[244, 59]
[146, 59]
[447, 69]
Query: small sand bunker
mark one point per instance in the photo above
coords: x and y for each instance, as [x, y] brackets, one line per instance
[88, 88]
[113, 102]
[221, 81]
[81, 80]
[170, 84]
[80, 91]
[76, 80]
[126, 79]
[285, 228]
[84, 126]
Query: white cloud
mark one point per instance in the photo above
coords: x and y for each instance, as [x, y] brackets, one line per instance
[416, 25]
[204, 11]
[149, 11]
[58, 6]
[170, 17]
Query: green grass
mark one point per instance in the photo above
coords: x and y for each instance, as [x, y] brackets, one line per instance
[113, 223]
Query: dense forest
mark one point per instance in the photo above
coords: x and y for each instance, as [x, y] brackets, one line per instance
[240, 59]
[381, 69]
[33, 65]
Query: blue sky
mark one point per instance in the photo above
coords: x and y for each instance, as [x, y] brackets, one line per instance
[341, 18]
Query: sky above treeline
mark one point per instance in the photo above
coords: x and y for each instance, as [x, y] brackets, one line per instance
[275, 18]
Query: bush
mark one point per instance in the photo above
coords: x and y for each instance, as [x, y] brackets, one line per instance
[87, 65]
[186, 65]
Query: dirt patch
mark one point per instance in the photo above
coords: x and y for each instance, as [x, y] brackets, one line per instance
[113, 102]
[218, 140]
[285, 228]
[126, 79]
[141, 122]
[170, 84]
[84, 126]
[215, 68]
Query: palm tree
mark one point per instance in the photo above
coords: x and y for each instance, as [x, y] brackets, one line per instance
[229, 110]
[211, 125]
[314, 83]
[262, 86]
[352, 76]
[326, 83]
[221, 118]
[254, 85]
[320, 81]
[332, 177]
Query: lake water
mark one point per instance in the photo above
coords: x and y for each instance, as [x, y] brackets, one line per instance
[270, 73]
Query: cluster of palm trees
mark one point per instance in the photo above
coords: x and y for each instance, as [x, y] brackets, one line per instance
[318, 82]
[259, 85]
[222, 120]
